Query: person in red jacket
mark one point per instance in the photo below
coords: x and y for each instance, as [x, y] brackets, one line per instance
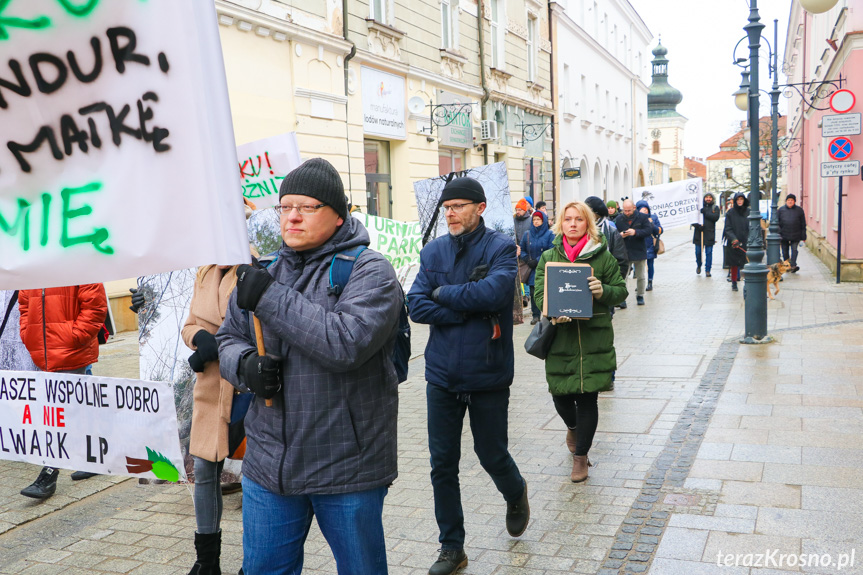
[59, 327]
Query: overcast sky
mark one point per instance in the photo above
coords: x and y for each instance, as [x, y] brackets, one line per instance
[700, 36]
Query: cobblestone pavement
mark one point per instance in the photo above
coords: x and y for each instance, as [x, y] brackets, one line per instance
[705, 447]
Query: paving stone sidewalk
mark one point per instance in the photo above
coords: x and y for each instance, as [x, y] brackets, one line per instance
[704, 446]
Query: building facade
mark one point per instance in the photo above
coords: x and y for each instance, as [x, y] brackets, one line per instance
[600, 50]
[666, 125]
[824, 48]
[358, 81]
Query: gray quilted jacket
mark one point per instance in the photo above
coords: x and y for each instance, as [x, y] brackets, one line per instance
[332, 428]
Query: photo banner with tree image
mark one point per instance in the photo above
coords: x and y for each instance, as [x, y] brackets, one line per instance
[116, 131]
[102, 425]
[499, 207]
[676, 204]
[264, 164]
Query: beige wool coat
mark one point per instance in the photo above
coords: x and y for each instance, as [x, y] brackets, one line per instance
[212, 395]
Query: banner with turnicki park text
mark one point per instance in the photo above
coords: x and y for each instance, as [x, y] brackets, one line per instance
[117, 154]
[676, 204]
[88, 423]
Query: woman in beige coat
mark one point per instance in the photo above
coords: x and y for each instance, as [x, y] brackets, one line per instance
[211, 408]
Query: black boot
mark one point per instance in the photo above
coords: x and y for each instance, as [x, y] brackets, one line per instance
[44, 486]
[208, 548]
[649, 285]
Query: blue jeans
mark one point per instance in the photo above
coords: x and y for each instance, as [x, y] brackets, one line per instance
[275, 528]
[488, 424]
[650, 269]
[786, 245]
[708, 257]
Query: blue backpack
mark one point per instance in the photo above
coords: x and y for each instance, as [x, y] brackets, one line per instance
[340, 272]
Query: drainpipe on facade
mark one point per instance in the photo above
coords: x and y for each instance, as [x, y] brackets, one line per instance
[485, 92]
[350, 55]
[803, 120]
[555, 103]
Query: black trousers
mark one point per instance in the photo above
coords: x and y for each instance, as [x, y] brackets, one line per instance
[580, 412]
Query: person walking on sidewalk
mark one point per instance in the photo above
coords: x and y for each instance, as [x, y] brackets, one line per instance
[792, 229]
[634, 227]
[651, 242]
[326, 447]
[582, 361]
[59, 327]
[735, 236]
[464, 291]
[533, 243]
[612, 237]
[705, 234]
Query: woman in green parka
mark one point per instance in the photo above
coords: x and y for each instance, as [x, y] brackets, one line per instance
[581, 361]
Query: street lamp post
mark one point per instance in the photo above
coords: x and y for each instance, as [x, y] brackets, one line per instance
[755, 272]
[773, 237]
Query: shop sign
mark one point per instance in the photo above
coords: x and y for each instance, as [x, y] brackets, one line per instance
[383, 104]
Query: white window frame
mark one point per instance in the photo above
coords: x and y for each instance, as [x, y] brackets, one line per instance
[532, 29]
[498, 27]
[382, 7]
[449, 21]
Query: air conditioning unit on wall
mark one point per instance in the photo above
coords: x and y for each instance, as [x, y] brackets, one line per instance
[488, 130]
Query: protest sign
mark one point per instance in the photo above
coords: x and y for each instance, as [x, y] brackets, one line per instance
[88, 423]
[495, 182]
[117, 150]
[264, 164]
[399, 242]
[676, 204]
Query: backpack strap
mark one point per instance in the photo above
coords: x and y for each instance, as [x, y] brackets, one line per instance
[340, 269]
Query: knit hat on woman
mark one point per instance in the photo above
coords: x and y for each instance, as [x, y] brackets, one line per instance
[611, 204]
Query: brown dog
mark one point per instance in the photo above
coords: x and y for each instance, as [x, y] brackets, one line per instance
[774, 274]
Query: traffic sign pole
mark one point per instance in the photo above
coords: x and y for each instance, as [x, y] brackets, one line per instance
[839, 238]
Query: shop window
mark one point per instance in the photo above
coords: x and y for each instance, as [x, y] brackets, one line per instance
[378, 180]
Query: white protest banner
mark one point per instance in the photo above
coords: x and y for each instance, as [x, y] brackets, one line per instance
[263, 166]
[399, 242]
[117, 150]
[675, 204]
[88, 423]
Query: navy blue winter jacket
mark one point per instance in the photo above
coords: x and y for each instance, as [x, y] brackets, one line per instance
[536, 241]
[649, 242]
[461, 355]
[643, 227]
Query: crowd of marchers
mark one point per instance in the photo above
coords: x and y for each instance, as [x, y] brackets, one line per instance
[318, 359]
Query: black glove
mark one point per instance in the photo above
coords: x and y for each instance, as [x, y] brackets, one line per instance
[207, 350]
[137, 300]
[262, 374]
[252, 282]
[478, 273]
[435, 294]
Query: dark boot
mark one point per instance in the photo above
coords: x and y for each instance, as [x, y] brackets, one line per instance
[208, 548]
[448, 562]
[649, 285]
[580, 463]
[44, 486]
[733, 286]
[518, 514]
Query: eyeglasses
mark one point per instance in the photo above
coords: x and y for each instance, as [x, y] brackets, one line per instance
[305, 209]
[455, 208]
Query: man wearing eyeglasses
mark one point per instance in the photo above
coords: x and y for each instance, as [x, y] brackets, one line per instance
[464, 291]
[326, 447]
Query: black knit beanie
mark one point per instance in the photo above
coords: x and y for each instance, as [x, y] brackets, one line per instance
[597, 205]
[317, 178]
[463, 189]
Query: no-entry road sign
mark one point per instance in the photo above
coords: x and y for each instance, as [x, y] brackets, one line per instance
[840, 148]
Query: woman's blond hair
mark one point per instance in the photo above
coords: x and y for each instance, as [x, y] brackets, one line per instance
[585, 212]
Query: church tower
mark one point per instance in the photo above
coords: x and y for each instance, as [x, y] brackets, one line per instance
[665, 125]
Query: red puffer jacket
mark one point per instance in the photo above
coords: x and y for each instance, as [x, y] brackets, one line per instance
[59, 325]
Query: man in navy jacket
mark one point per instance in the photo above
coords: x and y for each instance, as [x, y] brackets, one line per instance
[634, 227]
[464, 290]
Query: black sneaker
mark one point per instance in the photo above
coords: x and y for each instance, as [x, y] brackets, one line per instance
[518, 514]
[698, 270]
[79, 475]
[639, 299]
[733, 286]
[44, 486]
[622, 305]
[449, 561]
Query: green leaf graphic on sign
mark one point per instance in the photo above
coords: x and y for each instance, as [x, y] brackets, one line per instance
[13, 22]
